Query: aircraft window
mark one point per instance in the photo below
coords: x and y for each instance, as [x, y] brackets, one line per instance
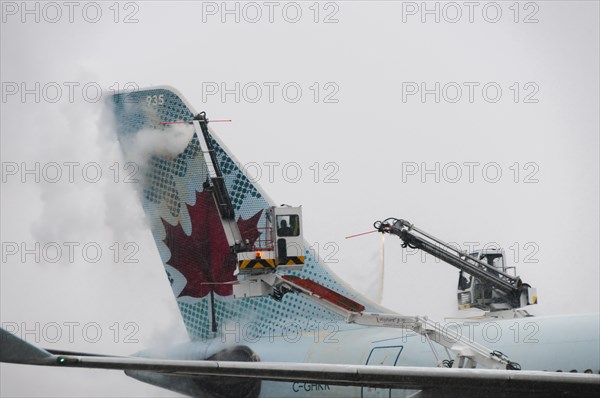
[288, 225]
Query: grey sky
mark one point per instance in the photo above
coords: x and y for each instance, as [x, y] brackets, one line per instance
[362, 130]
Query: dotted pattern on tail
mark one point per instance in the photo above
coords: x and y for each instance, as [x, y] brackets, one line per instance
[171, 183]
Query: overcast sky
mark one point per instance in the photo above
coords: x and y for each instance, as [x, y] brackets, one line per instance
[481, 126]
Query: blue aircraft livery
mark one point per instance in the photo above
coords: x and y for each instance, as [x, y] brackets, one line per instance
[187, 229]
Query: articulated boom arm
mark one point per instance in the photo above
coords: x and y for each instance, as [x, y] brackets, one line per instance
[216, 184]
[280, 245]
[460, 351]
[413, 237]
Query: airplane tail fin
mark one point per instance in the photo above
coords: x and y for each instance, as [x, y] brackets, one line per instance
[153, 127]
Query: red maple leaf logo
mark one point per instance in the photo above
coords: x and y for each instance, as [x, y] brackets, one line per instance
[204, 257]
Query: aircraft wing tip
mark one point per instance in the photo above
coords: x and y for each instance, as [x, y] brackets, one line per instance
[15, 350]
